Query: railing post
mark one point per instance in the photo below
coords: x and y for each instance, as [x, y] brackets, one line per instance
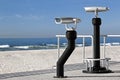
[83, 48]
[104, 40]
[92, 44]
[58, 46]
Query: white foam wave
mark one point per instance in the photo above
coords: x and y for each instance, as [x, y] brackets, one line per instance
[4, 46]
[21, 47]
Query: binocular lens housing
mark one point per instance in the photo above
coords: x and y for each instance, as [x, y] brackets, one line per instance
[66, 20]
[94, 9]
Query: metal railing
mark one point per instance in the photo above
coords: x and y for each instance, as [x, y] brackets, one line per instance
[83, 43]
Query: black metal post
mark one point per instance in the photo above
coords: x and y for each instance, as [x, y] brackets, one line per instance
[97, 68]
[71, 36]
[96, 37]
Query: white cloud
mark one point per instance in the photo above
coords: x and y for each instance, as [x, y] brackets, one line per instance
[28, 17]
[34, 17]
[22, 17]
[18, 16]
[1, 18]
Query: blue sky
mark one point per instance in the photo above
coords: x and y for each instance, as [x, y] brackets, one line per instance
[35, 18]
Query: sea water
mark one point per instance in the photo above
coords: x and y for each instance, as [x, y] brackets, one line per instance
[7, 44]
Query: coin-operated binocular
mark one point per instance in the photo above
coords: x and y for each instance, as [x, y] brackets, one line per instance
[71, 35]
[67, 21]
[96, 10]
[95, 62]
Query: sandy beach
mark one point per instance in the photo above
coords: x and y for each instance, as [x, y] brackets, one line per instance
[30, 60]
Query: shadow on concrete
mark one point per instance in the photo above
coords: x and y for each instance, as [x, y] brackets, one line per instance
[93, 76]
[28, 73]
[68, 67]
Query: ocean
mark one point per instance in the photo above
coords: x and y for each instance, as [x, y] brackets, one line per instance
[8, 44]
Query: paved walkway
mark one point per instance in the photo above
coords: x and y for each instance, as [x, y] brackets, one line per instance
[72, 71]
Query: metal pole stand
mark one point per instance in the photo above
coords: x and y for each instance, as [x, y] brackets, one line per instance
[71, 35]
[95, 63]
